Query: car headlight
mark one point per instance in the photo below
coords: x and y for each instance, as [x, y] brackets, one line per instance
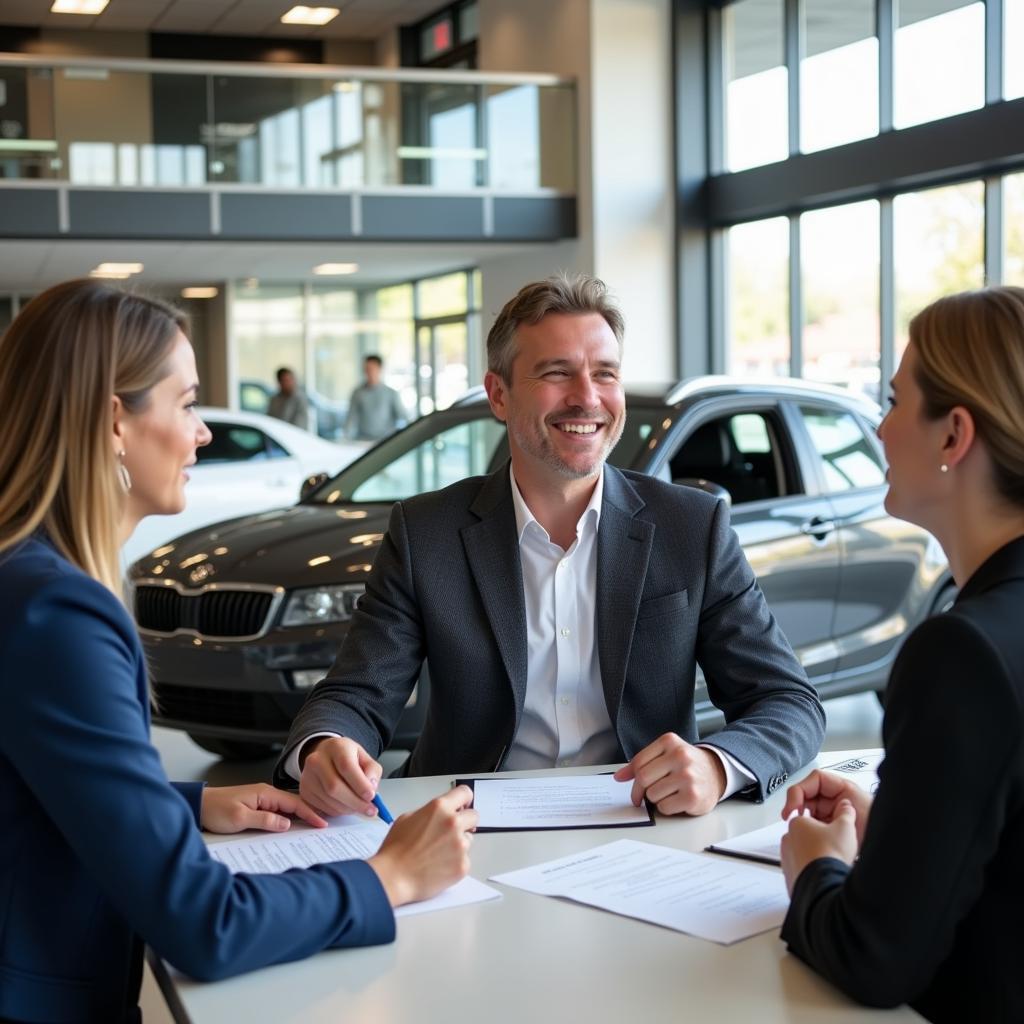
[313, 606]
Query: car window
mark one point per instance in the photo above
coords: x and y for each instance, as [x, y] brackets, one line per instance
[848, 459]
[451, 455]
[740, 452]
[232, 442]
[253, 397]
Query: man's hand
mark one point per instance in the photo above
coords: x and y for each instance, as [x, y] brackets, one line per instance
[808, 840]
[230, 809]
[820, 794]
[676, 776]
[428, 850]
[339, 777]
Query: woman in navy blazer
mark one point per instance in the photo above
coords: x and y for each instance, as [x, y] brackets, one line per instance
[929, 913]
[98, 851]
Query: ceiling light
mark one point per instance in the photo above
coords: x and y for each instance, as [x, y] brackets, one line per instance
[106, 274]
[199, 292]
[335, 269]
[78, 6]
[310, 15]
[124, 269]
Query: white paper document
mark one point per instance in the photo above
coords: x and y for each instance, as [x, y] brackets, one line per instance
[859, 766]
[720, 900]
[346, 838]
[566, 801]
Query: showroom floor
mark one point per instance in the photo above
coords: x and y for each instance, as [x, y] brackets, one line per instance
[853, 723]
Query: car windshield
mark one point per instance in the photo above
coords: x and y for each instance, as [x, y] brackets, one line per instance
[444, 448]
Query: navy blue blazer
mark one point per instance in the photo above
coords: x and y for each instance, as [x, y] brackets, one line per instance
[98, 851]
[930, 912]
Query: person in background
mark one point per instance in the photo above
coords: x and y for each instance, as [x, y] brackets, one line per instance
[99, 853]
[290, 404]
[915, 896]
[375, 410]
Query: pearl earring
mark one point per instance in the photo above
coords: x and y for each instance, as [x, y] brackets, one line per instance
[122, 473]
[943, 468]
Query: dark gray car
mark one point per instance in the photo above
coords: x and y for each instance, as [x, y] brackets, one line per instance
[240, 619]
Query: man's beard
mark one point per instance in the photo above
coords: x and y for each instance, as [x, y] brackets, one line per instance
[537, 443]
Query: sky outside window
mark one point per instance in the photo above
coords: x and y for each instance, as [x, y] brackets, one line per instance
[839, 74]
[1013, 49]
[756, 83]
[939, 60]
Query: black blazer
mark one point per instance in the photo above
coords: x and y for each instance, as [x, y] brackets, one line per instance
[673, 588]
[930, 913]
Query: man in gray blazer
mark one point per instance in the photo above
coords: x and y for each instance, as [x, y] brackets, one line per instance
[562, 605]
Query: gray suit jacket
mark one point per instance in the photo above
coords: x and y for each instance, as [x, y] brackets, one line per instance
[674, 589]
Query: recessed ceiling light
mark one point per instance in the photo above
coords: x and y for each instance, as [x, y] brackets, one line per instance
[310, 15]
[335, 269]
[105, 274]
[199, 292]
[125, 269]
[78, 6]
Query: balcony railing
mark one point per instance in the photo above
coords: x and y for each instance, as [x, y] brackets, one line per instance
[155, 123]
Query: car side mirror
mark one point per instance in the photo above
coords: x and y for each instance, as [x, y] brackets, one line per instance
[310, 484]
[706, 485]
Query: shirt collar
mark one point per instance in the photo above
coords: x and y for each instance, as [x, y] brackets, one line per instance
[524, 517]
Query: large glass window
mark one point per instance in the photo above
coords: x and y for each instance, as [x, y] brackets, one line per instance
[1013, 229]
[839, 250]
[939, 60]
[267, 333]
[939, 248]
[758, 255]
[756, 81]
[839, 73]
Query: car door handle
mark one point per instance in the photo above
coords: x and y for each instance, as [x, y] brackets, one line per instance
[819, 527]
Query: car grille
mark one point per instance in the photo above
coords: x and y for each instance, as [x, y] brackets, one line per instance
[212, 613]
[220, 707]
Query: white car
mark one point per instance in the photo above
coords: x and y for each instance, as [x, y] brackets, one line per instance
[254, 463]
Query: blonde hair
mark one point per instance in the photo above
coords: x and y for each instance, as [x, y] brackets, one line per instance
[533, 302]
[970, 352]
[62, 361]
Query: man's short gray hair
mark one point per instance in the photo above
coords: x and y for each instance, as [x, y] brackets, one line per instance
[557, 294]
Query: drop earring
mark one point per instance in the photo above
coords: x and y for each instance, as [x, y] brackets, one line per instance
[122, 473]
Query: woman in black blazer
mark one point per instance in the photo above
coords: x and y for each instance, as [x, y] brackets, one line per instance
[916, 896]
[98, 851]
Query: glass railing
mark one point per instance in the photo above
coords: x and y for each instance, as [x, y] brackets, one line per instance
[168, 123]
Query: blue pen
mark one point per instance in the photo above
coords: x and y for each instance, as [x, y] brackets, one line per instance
[385, 814]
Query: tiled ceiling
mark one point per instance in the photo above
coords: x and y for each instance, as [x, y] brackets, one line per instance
[359, 19]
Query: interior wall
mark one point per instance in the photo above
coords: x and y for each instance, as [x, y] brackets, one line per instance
[632, 164]
[539, 36]
[619, 52]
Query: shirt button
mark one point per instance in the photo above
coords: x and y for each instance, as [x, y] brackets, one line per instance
[564, 631]
[562, 564]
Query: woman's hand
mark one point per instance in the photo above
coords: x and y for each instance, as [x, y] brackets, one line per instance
[819, 795]
[427, 851]
[229, 809]
[809, 840]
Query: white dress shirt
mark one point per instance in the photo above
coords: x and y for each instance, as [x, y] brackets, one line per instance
[565, 719]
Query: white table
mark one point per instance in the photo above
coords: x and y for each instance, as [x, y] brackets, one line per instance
[530, 959]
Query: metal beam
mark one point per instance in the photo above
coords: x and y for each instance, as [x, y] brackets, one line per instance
[977, 144]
